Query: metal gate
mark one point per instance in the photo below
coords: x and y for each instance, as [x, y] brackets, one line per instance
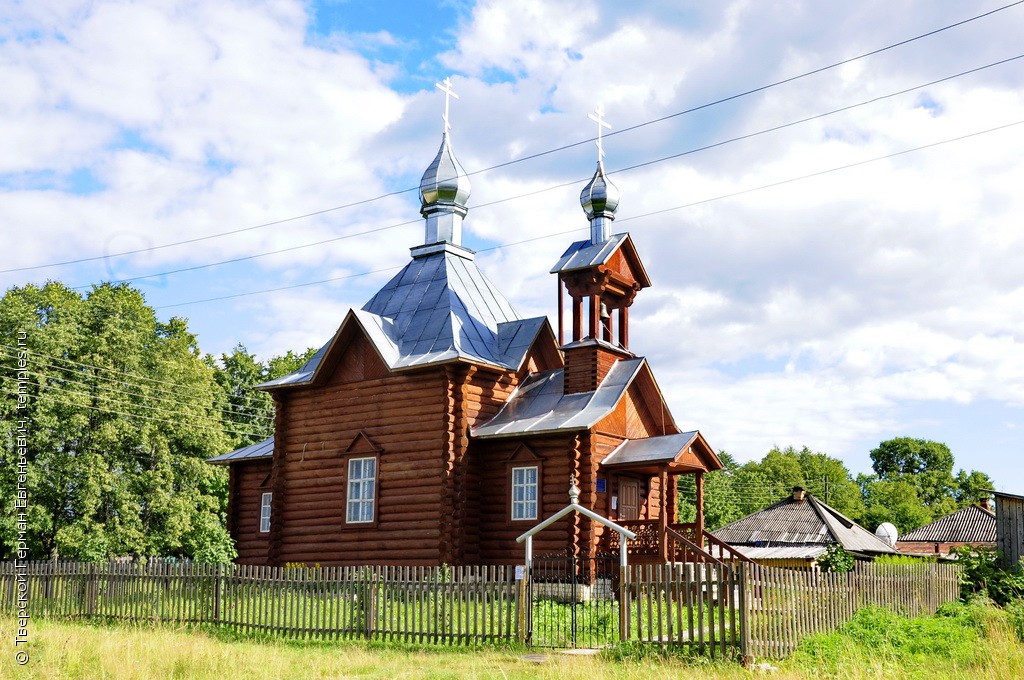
[573, 602]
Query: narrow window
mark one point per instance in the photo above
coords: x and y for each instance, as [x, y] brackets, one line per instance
[362, 483]
[265, 512]
[524, 492]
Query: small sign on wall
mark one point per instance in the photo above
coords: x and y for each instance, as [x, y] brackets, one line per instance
[602, 486]
[520, 571]
[615, 502]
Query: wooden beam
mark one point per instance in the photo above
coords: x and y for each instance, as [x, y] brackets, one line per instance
[595, 316]
[699, 483]
[663, 515]
[577, 318]
[561, 325]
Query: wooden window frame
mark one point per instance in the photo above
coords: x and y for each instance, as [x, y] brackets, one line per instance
[266, 503]
[536, 466]
[348, 460]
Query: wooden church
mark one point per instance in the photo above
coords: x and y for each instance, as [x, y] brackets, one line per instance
[437, 425]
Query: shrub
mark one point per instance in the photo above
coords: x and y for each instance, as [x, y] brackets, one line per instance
[836, 559]
[984, 575]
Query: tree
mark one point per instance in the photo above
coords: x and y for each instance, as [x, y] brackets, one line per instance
[892, 501]
[121, 415]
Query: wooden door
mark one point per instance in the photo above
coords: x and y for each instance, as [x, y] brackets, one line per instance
[629, 499]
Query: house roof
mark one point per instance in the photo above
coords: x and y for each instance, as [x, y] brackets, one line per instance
[263, 449]
[811, 551]
[807, 522]
[439, 308]
[973, 524]
[539, 404]
[682, 452]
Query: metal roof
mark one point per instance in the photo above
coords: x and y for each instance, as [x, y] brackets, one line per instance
[801, 522]
[583, 254]
[650, 450]
[439, 308]
[263, 449]
[538, 405]
[972, 524]
[783, 552]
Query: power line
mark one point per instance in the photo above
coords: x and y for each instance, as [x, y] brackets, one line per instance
[624, 130]
[635, 217]
[81, 381]
[575, 181]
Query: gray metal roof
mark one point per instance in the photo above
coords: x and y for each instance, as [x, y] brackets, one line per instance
[439, 308]
[583, 254]
[263, 449]
[791, 522]
[538, 405]
[650, 450]
[972, 524]
[783, 552]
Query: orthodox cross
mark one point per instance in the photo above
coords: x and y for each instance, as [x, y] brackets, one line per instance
[598, 117]
[446, 87]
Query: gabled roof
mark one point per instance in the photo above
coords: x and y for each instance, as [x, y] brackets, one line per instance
[973, 524]
[685, 452]
[439, 308]
[585, 254]
[807, 522]
[263, 449]
[539, 405]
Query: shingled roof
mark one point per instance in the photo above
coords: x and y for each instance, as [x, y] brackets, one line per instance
[973, 524]
[808, 522]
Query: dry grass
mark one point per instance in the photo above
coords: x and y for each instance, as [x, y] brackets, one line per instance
[73, 650]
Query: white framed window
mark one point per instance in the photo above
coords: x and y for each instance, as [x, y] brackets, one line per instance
[265, 512]
[524, 492]
[362, 485]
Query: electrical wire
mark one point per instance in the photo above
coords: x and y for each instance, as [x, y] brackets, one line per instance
[635, 217]
[535, 192]
[624, 130]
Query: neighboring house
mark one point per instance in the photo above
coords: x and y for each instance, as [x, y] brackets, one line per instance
[974, 525]
[437, 425]
[796, 531]
[1010, 527]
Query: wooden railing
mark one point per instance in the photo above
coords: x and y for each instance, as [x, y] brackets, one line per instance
[676, 543]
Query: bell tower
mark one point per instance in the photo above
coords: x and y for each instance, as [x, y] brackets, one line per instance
[601, 277]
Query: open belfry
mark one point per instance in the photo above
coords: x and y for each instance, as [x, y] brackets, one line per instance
[437, 425]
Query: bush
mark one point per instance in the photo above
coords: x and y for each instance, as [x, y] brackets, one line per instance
[836, 559]
[983, 575]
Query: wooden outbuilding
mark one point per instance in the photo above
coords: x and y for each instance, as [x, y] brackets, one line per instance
[437, 425]
[1010, 528]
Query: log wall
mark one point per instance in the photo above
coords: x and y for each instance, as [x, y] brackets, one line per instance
[248, 481]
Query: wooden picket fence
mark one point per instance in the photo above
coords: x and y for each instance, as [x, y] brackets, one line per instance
[722, 610]
[784, 606]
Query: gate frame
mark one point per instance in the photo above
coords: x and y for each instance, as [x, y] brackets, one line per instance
[624, 536]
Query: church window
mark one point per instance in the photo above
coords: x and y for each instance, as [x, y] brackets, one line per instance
[265, 512]
[524, 492]
[362, 486]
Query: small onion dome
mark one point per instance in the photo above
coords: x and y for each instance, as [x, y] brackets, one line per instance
[600, 198]
[444, 184]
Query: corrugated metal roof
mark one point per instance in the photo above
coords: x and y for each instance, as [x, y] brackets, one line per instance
[650, 450]
[439, 308]
[801, 522]
[583, 254]
[539, 405]
[263, 449]
[967, 525]
[783, 552]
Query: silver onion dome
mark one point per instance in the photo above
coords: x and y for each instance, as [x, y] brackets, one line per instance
[444, 192]
[600, 200]
[444, 184]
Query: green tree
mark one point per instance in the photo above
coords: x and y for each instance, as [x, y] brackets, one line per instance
[892, 501]
[121, 415]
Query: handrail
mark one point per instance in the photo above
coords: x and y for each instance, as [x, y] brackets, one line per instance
[733, 554]
[690, 545]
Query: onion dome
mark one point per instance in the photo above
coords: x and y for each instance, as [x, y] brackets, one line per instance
[600, 200]
[444, 192]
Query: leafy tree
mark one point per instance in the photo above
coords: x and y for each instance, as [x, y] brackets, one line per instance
[970, 487]
[892, 501]
[836, 559]
[122, 412]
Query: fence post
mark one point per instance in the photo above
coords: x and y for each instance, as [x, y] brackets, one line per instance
[91, 591]
[216, 593]
[623, 591]
[369, 603]
[744, 599]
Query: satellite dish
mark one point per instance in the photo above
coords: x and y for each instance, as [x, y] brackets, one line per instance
[887, 532]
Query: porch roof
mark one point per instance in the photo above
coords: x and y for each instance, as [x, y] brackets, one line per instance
[678, 453]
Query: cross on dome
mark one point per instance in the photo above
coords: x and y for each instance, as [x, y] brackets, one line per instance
[598, 117]
[446, 87]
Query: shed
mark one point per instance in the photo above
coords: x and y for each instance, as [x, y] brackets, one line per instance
[974, 525]
[1010, 527]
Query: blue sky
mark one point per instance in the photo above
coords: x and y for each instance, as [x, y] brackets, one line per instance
[833, 311]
